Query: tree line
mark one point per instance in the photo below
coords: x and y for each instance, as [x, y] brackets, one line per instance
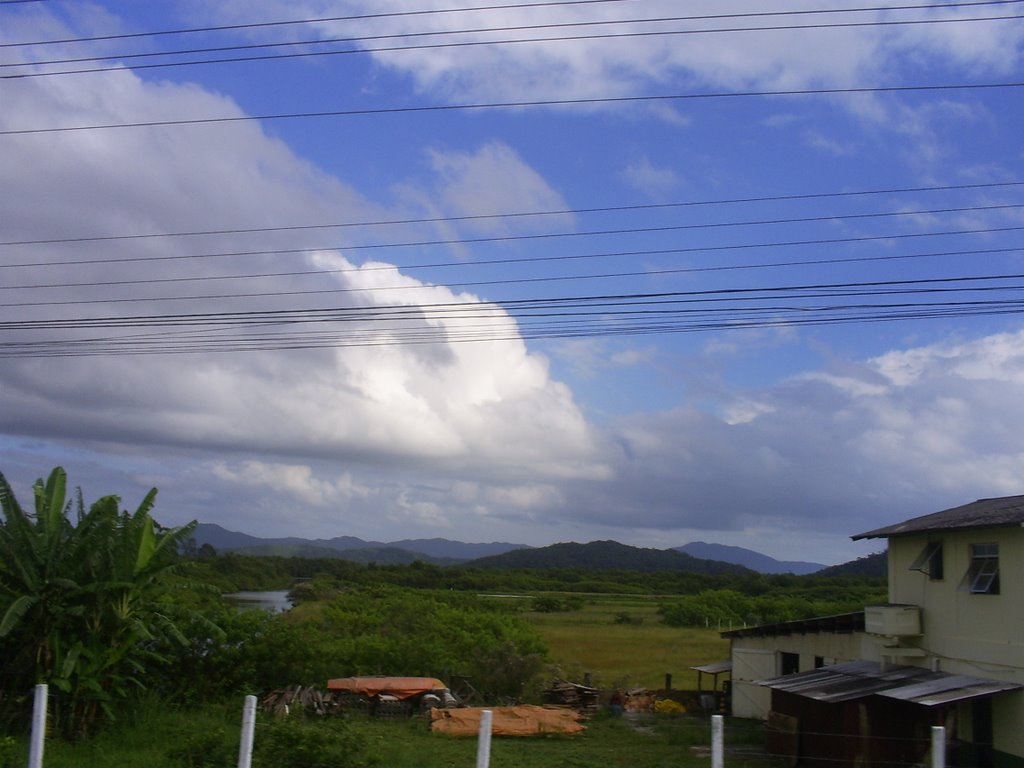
[232, 572]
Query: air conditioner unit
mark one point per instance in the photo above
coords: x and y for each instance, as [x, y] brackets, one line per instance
[892, 620]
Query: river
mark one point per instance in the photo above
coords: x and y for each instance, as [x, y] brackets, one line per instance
[274, 601]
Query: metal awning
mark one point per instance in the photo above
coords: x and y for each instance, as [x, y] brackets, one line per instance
[858, 679]
[715, 668]
[948, 689]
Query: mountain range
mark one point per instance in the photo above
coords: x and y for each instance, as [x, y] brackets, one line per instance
[438, 551]
[698, 556]
[748, 558]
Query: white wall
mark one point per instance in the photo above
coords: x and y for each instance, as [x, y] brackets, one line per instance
[757, 658]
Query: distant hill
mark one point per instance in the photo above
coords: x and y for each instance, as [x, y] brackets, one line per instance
[748, 558]
[870, 565]
[440, 551]
[458, 550]
[363, 555]
[599, 555]
[696, 557]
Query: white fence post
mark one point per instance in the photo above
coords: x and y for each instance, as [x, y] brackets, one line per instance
[717, 742]
[248, 727]
[938, 746]
[35, 751]
[483, 747]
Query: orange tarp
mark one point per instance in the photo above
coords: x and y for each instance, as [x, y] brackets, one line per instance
[399, 687]
[524, 720]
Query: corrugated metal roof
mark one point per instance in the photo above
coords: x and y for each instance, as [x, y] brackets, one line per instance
[857, 679]
[948, 689]
[714, 668]
[983, 513]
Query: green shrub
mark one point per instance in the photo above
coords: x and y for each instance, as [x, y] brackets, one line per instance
[294, 742]
[10, 753]
[205, 749]
[622, 617]
[547, 604]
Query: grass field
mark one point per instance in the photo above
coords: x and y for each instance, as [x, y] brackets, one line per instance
[621, 643]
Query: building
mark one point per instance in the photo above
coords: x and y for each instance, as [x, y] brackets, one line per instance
[769, 650]
[947, 649]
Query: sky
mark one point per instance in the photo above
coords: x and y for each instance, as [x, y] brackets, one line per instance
[656, 271]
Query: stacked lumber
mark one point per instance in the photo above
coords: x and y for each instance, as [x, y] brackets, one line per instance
[564, 693]
[521, 720]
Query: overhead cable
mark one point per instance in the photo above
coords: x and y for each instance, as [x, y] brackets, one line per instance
[472, 9]
[520, 104]
[511, 41]
[590, 24]
[521, 214]
[541, 236]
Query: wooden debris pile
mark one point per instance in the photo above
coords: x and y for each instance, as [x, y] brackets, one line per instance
[297, 698]
[564, 693]
[640, 700]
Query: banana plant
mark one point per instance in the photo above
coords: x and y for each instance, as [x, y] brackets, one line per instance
[83, 604]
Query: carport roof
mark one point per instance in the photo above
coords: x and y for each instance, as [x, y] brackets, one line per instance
[857, 679]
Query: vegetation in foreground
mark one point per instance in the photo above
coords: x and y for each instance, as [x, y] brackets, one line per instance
[208, 737]
[84, 605]
[148, 666]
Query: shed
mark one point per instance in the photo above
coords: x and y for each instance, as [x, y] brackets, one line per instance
[865, 713]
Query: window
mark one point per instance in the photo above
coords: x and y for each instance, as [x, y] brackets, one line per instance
[930, 560]
[789, 663]
[982, 576]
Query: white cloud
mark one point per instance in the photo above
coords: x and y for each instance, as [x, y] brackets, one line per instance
[654, 181]
[842, 451]
[290, 480]
[459, 405]
[850, 385]
[588, 358]
[495, 179]
[777, 59]
[631, 357]
[745, 410]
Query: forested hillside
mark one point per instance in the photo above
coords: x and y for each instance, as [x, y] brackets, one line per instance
[606, 555]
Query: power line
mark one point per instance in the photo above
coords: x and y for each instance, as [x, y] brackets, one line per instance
[461, 284]
[602, 302]
[565, 317]
[509, 28]
[534, 237]
[293, 22]
[651, 252]
[514, 41]
[514, 214]
[519, 105]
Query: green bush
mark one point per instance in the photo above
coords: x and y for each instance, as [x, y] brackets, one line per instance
[10, 753]
[294, 742]
[205, 749]
[547, 604]
[377, 631]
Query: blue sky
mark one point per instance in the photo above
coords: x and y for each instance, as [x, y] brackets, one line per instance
[771, 321]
